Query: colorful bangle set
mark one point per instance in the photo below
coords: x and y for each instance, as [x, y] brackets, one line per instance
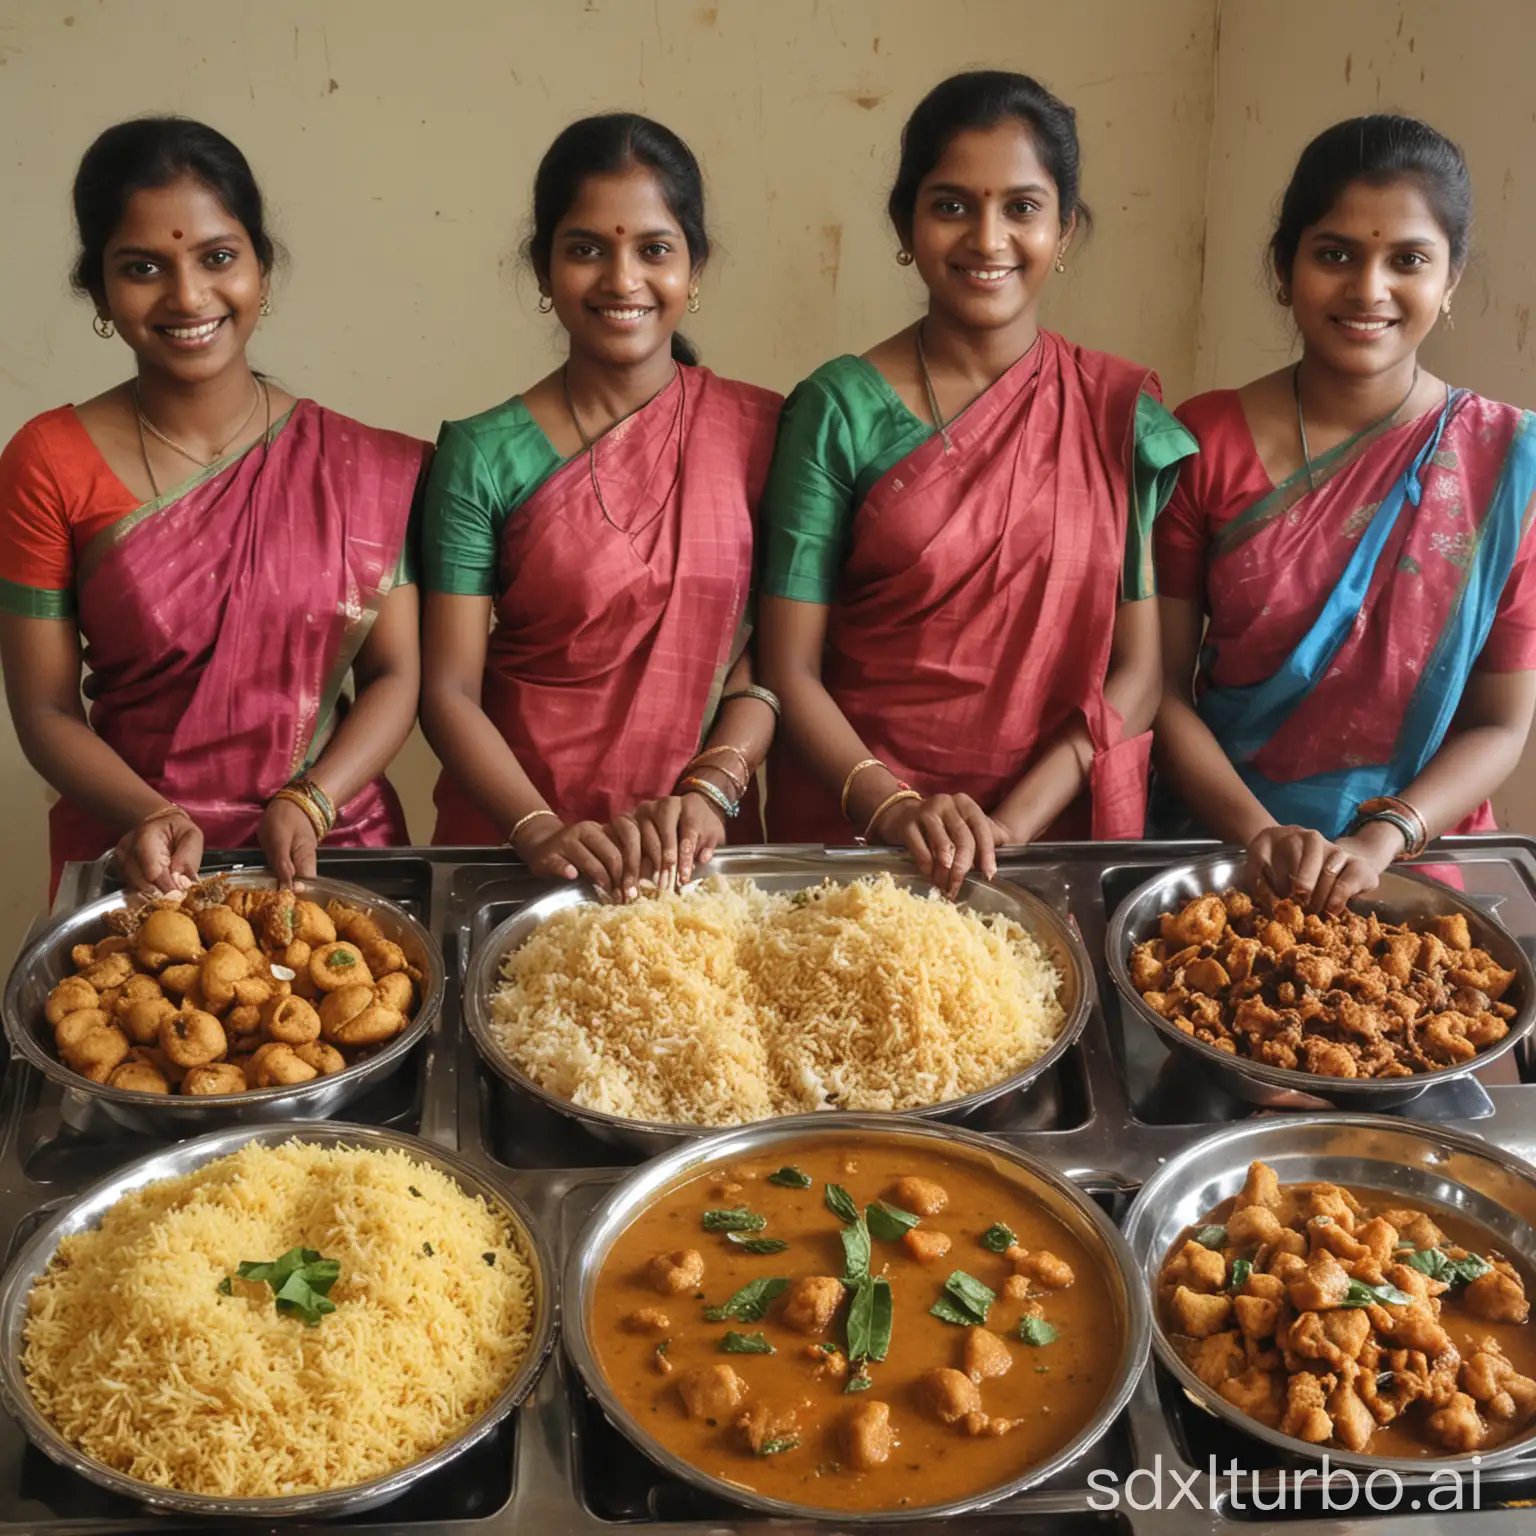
[1396, 812]
[302, 791]
[689, 783]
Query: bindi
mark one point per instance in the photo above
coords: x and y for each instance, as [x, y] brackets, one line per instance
[618, 229]
[175, 234]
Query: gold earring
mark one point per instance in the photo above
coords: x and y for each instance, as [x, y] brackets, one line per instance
[1445, 309]
[693, 302]
[904, 258]
[266, 304]
[545, 303]
[1061, 266]
[103, 327]
[1283, 296]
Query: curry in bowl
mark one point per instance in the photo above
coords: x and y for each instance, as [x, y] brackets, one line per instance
[858, 1324]
[1354, 1318]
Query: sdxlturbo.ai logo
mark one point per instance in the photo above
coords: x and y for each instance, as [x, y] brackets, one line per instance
[1241, 1489]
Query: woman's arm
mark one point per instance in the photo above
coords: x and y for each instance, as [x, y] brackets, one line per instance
[387, 674]
[1060, 773]
[41, 658]
[455, 635]
[947, 835]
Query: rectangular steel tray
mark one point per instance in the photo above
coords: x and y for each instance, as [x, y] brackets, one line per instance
[1113, 1106]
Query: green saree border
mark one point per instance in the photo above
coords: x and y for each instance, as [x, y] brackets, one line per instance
[110, 538]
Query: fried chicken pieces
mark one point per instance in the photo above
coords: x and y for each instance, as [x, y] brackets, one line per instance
[229, 989]
[1324, 1323]
[1346, 996]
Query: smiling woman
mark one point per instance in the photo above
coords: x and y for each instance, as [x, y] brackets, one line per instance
[1352, 545]
[607, 726]
[958, 527]
[220, 553]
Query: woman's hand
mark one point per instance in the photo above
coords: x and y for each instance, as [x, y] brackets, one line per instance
[1323, 876]
[287, 838]
[664, 840]
[582, 850]
[161, 854]
[947, 835]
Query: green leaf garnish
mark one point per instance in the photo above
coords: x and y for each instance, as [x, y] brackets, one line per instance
[1439, 1265]
[490, 1258]
[1360, 1294]
[888, 1223]
[226, 1286]
[860, 1380]
[1036, 1331]
[840, 1203]
[757, 1244]
[1241, 1269]
[870, 1316]
[340, 959]
[1212, 1237]
[300, 1282]
[747, 1344]
[750, 1303]
[737, 1219]
[790, 1178]
[775, 1447]
[998, 1238]
[966, 1301]
[856, 1253]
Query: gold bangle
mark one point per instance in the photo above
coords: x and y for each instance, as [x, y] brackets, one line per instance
[305, 804]
[736, 782]
[853, 773]
[901, 794]
[522, 821]
[161, 814]
[709, 752]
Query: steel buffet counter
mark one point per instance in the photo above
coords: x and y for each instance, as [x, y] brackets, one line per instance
[1114, 1107]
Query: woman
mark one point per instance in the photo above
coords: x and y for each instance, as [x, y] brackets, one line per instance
[607, 726]
[217, 553]
[956, 590]
[1353, 536]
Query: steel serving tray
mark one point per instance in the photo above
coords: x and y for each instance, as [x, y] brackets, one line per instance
[1116, 1104]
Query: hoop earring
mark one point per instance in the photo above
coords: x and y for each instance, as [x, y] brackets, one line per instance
[693, 303]
[266, 304]
[545, 303]
[103, 327]
[1061, 266]
[904, 258]
[1283, 297]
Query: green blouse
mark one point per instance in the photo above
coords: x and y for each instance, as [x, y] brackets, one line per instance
[844, 427]
[486, 467]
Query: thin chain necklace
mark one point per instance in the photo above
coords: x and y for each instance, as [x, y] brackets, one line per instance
[589, 447]
[262, 393]
[170, 442]
[941, 423]
[1301, 421]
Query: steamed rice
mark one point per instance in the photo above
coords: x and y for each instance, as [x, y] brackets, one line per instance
[725, 1004]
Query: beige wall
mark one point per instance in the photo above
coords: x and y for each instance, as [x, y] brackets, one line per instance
[1286, 72]
[397, 144]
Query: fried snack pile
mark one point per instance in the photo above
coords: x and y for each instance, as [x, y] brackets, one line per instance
[1345, 996]
[1329, 1315]
[228, 990]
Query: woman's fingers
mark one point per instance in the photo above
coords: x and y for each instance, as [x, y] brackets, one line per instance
[624, 831]
[936, 836]
[981, 831]
[650, 849]
[607, 853]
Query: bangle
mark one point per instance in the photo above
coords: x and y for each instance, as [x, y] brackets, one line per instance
[305, 804]
[853, 773]
[160, 815]
[522, 821]
[1392, 819]
[738, 782]
[736, 752]
[711, 792]
[906, 792]
[753, 691]
[305, 789]
[1402, 815]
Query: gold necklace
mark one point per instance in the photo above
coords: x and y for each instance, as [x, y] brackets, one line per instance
[589, 447]
[263, 393]
[1301, 420]
[941, 425]
[170, 442]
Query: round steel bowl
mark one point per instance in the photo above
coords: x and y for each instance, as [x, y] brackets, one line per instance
[1425, 1165]
[87, 1211]
[46, 963]
[1401, 897]
[1062, 1198]
[1057, 937]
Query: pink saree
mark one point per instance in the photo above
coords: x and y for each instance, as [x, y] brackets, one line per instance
[220, 623]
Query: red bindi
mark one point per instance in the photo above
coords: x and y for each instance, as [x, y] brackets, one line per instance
[176, 234]
[618, 229]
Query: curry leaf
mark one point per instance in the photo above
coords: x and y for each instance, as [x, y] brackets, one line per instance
[1212, 1237]
[860, 1381]
[870, 1316]
[747, 1344]
[856, 1253]
[750, 1303]
[1360, 1294]
[737, 1219]
[757, 1244]
[840, 1203]
[1241, 1269]
[300, 1280]
[1439, 1265]
[790, 1178]
[965, 1301]
[998, 1238]
[888, 1223]
[1036, 1331]
[774, 1447]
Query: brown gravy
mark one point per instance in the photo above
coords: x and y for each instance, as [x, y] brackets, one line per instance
[1053, 1390]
